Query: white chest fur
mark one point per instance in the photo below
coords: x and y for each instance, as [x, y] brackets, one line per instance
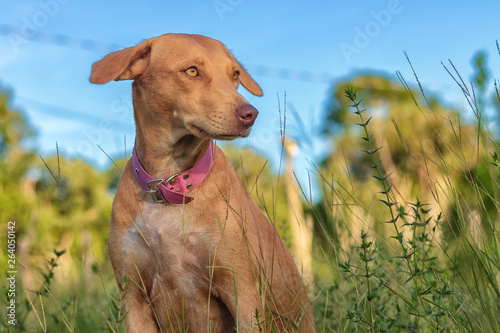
[165, 236]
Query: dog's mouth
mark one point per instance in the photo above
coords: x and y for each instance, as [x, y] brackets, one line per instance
[200, 132]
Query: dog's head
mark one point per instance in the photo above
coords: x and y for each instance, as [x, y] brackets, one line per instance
[186, 83]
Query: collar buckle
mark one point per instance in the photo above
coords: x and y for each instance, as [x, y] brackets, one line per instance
[154, 187]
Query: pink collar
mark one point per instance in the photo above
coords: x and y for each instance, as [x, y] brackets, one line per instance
[173, 189]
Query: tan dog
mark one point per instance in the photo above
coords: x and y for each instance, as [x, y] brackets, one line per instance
[209, 261]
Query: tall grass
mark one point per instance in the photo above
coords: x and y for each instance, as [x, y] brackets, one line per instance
[416, 267]
[416, 279]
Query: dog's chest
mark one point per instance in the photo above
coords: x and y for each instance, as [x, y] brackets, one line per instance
[173, 258]
[166, 236]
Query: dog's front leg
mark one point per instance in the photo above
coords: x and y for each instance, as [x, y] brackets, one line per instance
[140, 316]
[238, 294]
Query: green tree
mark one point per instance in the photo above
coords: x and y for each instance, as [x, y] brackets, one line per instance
[265, 187]
[56, 203]
[421, 141]
[481, 78]
[16, 158]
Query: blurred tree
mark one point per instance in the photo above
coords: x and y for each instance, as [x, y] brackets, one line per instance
[56, 203]
[16, 157]
[481, 78]
[267, 189]
[73, 207]
[114, 173]
[422, 143]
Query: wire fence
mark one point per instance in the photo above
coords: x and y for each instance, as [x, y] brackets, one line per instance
[20, 35]
[106, 47]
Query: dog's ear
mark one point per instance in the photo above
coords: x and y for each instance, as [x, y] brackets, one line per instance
[246, 80]
[126, 64]
[249, 83]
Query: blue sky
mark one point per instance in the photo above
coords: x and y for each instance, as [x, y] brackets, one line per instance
[298, 47]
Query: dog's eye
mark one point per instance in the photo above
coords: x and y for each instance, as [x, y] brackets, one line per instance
[236, 75]
[191, 71]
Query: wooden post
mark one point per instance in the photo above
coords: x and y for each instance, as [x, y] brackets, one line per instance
[301, 229]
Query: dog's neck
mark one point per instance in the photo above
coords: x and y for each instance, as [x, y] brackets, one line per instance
[161, 160]
[163, 148]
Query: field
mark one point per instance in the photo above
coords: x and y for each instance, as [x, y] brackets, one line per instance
[402, 238]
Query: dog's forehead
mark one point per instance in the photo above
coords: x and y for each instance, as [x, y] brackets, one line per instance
[185, 46]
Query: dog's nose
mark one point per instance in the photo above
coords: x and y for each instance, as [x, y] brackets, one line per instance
[247, 114]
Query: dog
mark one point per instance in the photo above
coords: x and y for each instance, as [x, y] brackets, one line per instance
[198, 253]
